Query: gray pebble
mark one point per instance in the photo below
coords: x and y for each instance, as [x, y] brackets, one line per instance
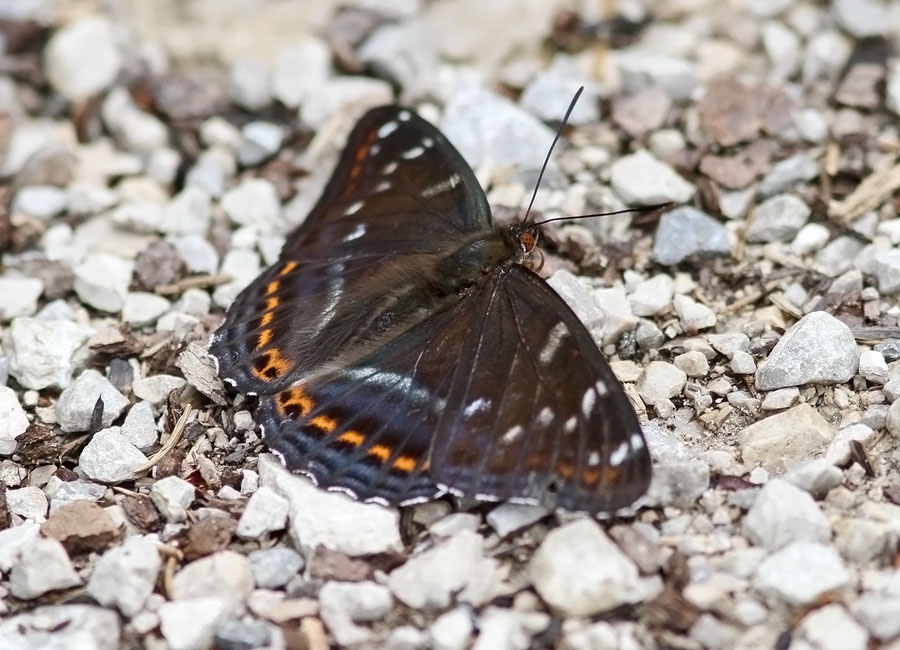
[659, 381]
[777, 219]
[265, 512]
[42, 566]
[687, 232]
[818, 349]
[241, 635]
[101, 281]
[799, 168]
[641, 179]
[274, 567]
[801, 573]
[13, 420]
[125, 575]
[172, 496]
[76, 403]
[784, 513]
[139, 427]
[44, 353]
[110, 458]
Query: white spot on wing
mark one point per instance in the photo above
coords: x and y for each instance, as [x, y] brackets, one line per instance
[410, 154]
[545, 417]
[593, 459]
[571, 424]
[480, 405]
[588, 402]
[602, 391]
[427, 142]
[554, 339]
[354, 208]
[404, 116]
[358, 232]
[510, 436]
[382, 186]
[443, 186]
[637, 441]
[390, 168]
[619, 455]
[387, 128]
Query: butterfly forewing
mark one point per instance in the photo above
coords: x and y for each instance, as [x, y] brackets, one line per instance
[400, 193]
[381, 376]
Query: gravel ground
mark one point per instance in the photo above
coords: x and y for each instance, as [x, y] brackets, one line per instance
[154, 154]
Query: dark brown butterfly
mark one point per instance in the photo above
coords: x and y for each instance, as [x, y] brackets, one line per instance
[402, 348]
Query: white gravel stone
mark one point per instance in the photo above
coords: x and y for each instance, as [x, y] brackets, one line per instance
[82, 58]
[818, 349]
[617, 315]
[862, 18]
[188, 213]
[344, 603]
[44, 353]
[451, 630]
[300, 70]
[77, 401]
[191, 624]
[331, 519]
[641, 68]
[431, 579]
[801, 573]
[783, 513]
[101, 281]
[42, 566]
[641, 179]
[20, 296]
[693, 315]
[892, 90]
[41, 201]
[880, 614]
[134, 129]
[728, 344]
[225, 574]
[508, 628]
[579, 571]
[139, 427]
[678, 484]
[61, 627]
[582, 301]
[785, 439]
[693, 363]
[172, 496]
[810, 238]
[839, 450]
[274, 567]
[13, 540]
[349, 96]
[70, 491]
[652, 296]
[13, 420]
[549, 93]
[248, 84]
[141, 308]
[109, 458]
[125, 576]
[832, 628]
[892, 422]
[254, 202]
[490, 130]
[243, 266]
[742, 363]
[659, 381]
[200, 257]
[817, 476]
[156, 388]
[780, 399]
[259, 142]
[266, 512]
[778, 219]
[886, 268]
[508, 518]
[28, 502]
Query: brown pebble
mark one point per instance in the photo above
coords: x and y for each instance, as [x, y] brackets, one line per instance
[81, 526]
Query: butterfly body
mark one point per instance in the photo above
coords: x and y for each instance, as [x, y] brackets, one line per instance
[402, 348]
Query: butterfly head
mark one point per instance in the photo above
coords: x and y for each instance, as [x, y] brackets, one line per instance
[523, 237]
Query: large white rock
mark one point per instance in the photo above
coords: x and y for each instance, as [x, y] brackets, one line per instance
[13, 420]
[82, 58]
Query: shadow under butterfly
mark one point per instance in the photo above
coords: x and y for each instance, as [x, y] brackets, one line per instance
[402, 348]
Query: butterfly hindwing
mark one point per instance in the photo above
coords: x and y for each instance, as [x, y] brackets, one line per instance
[400, 192]
[516, 402]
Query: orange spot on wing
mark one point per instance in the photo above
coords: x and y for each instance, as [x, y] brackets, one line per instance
[564, 469]
[271, 303]
[271, 365]
[405, 464]
[294, 398]
[288, 267]
[611, 474]
[266, 319]
[272, 287]
[591, 477]
[323, 422]
[381, 452]
[354, 438]
[264, 338]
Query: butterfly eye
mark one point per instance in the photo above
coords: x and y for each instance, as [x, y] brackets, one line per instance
[527, 241]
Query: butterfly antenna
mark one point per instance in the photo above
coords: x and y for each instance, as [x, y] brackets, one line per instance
[641, 209]
[556, 137]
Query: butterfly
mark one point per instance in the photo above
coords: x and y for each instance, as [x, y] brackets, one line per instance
[402, 348]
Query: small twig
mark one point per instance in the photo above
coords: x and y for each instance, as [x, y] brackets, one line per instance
[177, 430]
[874, 190]
[193, 282]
